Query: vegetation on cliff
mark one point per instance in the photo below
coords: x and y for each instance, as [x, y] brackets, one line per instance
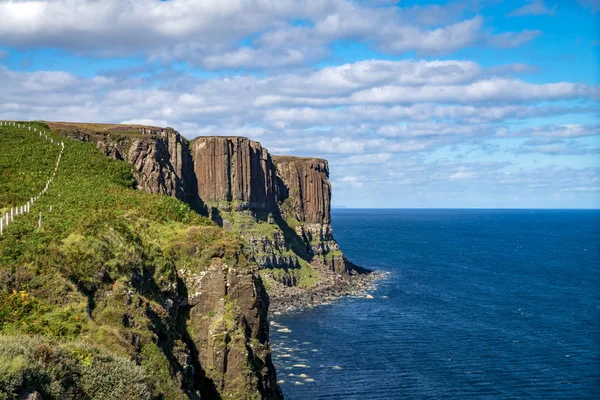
[100, 289]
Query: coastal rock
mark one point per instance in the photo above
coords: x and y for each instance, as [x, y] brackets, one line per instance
[161, 158]
[308, 204]
[211, 324]
[234, 170]
[308, 188]
[228, 319]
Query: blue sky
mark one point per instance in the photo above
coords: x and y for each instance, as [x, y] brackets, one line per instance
[414, 103]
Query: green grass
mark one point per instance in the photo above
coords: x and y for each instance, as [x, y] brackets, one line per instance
[98, 269]
[244, 223]
[306, 276]
[26, 163]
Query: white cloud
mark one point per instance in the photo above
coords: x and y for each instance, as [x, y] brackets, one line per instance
[461, 175]
[509, 40]
[438, 41]
[215, 34]
[359, 115]
[367, 159]
[554, 131]
[351, 181]
[533, 7]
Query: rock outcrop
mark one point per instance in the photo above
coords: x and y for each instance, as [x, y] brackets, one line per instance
[291, 193]
[160, 156]
[234, 171]
[286, 199]
[228, 316]
[221, 176]
[308, 187]
[308, 205]
[279, 205]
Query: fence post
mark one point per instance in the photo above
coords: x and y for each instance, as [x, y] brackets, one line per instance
[1, 226]
[40, 221]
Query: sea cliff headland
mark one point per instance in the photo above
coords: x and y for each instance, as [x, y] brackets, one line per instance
[161, 256]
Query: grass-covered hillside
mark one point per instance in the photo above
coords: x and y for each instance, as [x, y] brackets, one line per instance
[26, 163]
[86, 301]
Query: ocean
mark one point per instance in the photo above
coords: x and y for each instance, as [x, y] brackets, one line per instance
[494, 304]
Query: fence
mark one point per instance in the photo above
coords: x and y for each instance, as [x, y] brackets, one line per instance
[14, 212]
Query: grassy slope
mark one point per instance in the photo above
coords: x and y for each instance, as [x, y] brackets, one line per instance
[26, 163]
[69, 284]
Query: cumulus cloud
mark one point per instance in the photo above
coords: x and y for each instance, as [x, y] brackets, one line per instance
[533, 7]
[351, 181]
[408, 128]
[379, 122]
[368, 106]
[241, 34]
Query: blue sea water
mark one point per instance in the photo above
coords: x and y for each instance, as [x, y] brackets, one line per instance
[492, 304]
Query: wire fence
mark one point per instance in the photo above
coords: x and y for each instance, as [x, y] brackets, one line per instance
[14, 212]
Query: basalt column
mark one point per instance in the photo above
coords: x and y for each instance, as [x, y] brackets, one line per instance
[234, 172]
[308, 206]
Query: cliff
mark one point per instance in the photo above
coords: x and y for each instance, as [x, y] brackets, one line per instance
[308, 202]
[291, 194]
[308, 187]
[234, 170]
[279, 204]
[160, 156]
[211, 325]
[124, 294]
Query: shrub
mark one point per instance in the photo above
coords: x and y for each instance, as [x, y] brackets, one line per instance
[67, 371]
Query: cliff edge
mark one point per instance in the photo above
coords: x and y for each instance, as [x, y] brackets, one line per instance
[123, 293]
[281, 205]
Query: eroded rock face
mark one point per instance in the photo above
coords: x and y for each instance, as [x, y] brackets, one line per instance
[309, 190]
[164, 165]
[228, 306]
[228, 318]
[161, 158]
[218, 175]
[308, 201]
[234, 170]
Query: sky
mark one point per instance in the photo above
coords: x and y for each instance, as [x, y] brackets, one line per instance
[427, 104]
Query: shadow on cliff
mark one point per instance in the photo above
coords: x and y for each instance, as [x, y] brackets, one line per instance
[192, 377]
[215, 215]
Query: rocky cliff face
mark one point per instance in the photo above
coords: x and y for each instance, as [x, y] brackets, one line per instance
[308, 187]
[234, 171]
[213, 328]
[161, 158]
[280, 205]
[307, 205]
[229, 316]
[292, 194]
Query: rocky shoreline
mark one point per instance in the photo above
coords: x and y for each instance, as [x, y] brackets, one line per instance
[294, 299]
